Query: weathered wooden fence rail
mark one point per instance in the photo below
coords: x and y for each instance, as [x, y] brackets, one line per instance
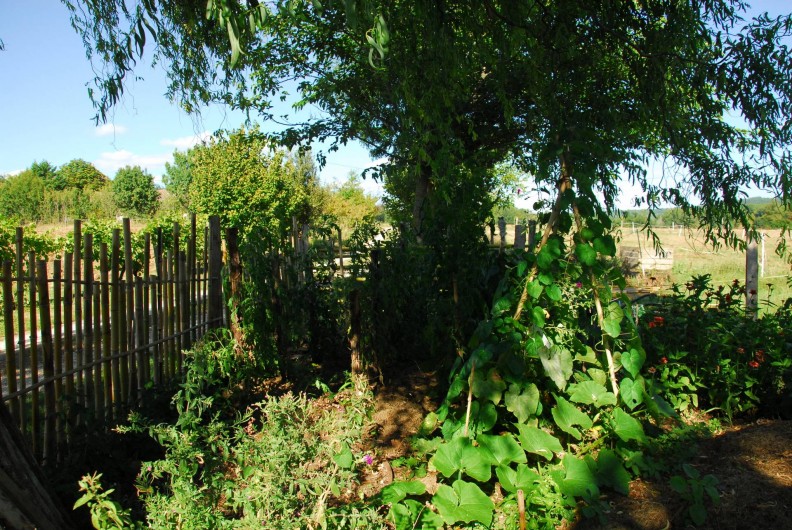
[84, 337]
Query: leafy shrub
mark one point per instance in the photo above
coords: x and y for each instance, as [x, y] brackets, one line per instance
[719, 358]
[32, 241]
[286, 462]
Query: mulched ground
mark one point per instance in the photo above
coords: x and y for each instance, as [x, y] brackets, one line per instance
[753, 465]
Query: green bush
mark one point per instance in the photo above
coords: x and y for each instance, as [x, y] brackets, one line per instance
[134, 191]
[286, 462]
[704, 351]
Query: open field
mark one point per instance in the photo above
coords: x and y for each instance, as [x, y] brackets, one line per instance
[692, 257]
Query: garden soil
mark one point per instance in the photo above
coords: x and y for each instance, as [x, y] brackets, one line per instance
[752, 462]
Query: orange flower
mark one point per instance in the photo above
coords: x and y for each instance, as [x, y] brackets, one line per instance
[663, 360]
[753, 364]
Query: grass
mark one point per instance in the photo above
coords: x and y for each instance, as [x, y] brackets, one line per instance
[693, 257]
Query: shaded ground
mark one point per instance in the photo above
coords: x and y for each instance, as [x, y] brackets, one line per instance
[753, 465]
[752, 462]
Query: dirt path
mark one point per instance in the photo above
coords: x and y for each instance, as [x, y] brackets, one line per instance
[753, 465]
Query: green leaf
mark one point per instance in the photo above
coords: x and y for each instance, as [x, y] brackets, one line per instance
[399, 490]
[538, 316]
[566, 416]
[631, 392]
[247, 471]
[553, 292]
[592, 393]
[545, 258]
[633, 360]
[463, 502]
[504, 448]
[605, 245]
[461, 455]
[698, 513]
[522, 402]
[586, 254]
[578, 480]
[412, 514]
[523, 478]
[613, 318]
[535, 289]
[345, 459]
[539, 442]
[626, 427]
[679, 484]
[501, 305]
[484, 418]
[428, 425]
[611, 472]
[557, 364]
[488, 385]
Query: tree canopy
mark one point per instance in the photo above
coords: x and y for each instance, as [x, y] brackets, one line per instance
[81, 175]
[134, 191]
[249, 183]
[448, 89]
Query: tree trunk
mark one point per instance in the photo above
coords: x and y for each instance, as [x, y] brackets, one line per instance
[25, 501]
[235, 279]
[423, 189]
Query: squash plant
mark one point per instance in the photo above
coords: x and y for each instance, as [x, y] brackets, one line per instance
[545, 407]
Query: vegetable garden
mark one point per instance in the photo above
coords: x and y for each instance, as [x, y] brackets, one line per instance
[555, 397]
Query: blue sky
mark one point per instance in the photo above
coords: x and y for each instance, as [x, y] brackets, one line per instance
[45, 113]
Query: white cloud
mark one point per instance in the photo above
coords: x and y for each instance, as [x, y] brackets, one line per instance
[110, 129]
[110, 162]
[186, 142]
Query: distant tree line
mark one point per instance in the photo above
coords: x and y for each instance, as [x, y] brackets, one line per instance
[216, 177]
[45, 193]
[765, 213]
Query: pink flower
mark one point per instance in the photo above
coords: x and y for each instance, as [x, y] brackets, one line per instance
[368, 459]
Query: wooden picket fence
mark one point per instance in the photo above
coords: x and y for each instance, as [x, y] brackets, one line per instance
[84, 338]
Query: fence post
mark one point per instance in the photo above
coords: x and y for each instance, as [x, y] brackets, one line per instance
[215, 282]
[58, 346]
[20, 289]
[35, 414]
[78, 322]
[49, 365]
[68, 337]
[519, 236]
[90, 392]
[8, 321]
[354, 331]
[104, 278]
[119, 365]
[502, 232]
[129, 283]
[751, 277]
[531, 234]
